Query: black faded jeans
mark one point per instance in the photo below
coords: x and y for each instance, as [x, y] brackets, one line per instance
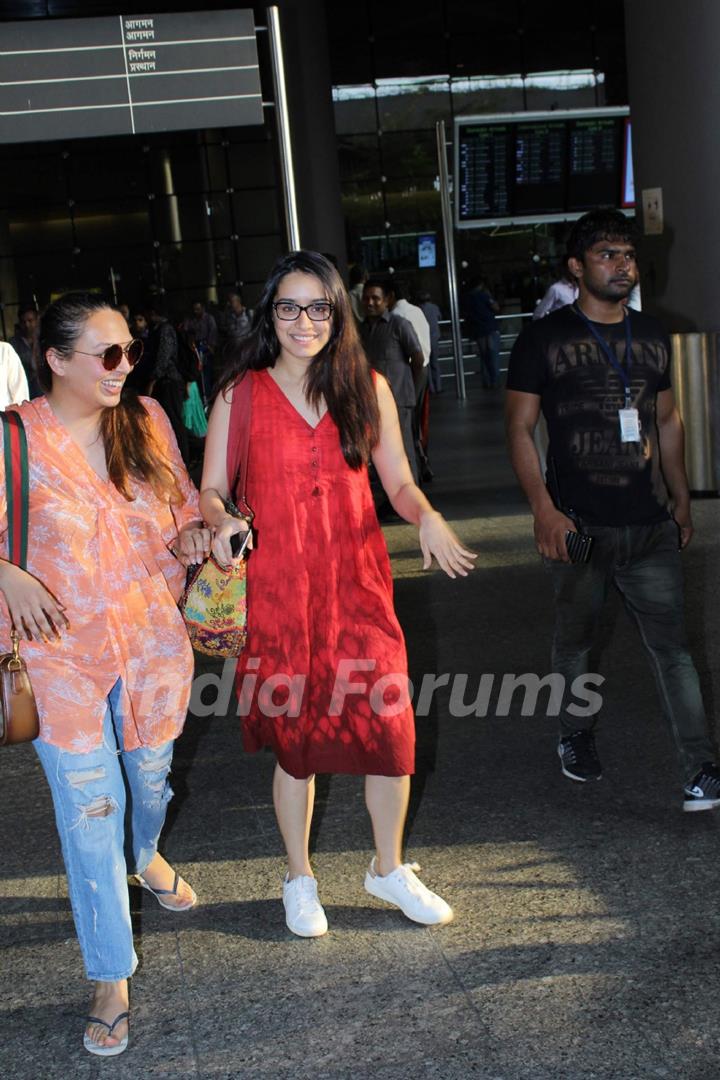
[644, 563]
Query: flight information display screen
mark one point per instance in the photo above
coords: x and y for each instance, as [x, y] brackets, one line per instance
[533, 167]
[73, 78]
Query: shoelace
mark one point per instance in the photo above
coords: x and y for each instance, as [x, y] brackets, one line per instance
[586, 747]
[412, 884]
[710, 784]
[306, 895]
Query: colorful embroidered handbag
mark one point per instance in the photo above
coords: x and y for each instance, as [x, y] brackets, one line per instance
[214, 604]
[214, 607]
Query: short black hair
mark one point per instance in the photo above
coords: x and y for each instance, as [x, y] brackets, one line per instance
[378, 282]
[600, 225]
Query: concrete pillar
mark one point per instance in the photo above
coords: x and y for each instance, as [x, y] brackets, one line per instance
[674, 90]
[312, 122]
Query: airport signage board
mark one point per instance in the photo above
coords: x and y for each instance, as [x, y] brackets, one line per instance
[129, 74]
[516, 168]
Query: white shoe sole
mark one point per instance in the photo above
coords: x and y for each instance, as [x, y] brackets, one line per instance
[306, 933]
[701, 804]
[372, 887]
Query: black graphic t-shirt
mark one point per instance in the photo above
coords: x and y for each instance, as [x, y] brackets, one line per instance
[590, 470]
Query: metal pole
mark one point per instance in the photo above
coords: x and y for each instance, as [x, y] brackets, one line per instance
[449, 236]
[283, 129]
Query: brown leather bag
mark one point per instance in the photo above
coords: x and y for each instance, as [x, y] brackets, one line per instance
[18, 711]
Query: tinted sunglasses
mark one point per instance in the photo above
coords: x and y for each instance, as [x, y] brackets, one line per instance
[113, 355]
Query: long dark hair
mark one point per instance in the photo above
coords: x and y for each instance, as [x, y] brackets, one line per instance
[131, 445]
[340, 373]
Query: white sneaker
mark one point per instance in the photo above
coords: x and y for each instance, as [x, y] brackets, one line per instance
[304, 913]
[403, 889]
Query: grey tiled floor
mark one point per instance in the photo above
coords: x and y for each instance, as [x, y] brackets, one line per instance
[585, 943]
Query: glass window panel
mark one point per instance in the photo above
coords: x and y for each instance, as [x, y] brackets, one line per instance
[496, 54]
[178, 170]
[410, 56]
[363, 207]
[40, 229]
[256, 212]
[559, 16]
[217, 168]
[609, 15]
[178, 218]
[105, 174]
[251, 164]
[558, 50]
[256, 256]
[610, 59]
[113, 225]
[409, 154]
[225, 268]
[412, 105]
[355, 110]
[413, 206]
[541, 94]
[30, 179]
[217, 208]
[403, 16]
[488, 94]
[348, 21]
[465, 17]
[190, 265]
[351, 59]
[359, 157]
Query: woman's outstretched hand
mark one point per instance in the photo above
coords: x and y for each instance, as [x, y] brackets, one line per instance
[438, 539]
[34, 611]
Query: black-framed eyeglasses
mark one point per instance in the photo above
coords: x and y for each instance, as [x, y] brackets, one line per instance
[112, 356]
[318, 311]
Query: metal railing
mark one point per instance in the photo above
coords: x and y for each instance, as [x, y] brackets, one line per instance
[469, 352]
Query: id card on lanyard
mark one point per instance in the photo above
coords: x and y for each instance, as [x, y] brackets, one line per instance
[628, 417]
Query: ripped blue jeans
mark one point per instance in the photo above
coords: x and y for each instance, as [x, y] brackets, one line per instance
[110, 806]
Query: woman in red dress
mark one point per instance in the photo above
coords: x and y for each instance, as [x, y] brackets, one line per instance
[323, 677]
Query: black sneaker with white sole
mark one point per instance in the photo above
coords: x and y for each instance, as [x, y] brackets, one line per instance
[578, 757]
[703, 791]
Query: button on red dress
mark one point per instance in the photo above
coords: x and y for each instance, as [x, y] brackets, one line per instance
[323, 677]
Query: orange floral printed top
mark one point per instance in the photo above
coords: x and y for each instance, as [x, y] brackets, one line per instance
[108, 561]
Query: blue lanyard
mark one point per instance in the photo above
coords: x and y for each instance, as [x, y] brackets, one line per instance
[624, 373]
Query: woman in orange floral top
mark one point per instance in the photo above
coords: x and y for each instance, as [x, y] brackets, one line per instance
[114, 520]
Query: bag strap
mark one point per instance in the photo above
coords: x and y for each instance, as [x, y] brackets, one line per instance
[238, 448]
[17, 483]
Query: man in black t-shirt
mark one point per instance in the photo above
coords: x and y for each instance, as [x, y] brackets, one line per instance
[600, 373]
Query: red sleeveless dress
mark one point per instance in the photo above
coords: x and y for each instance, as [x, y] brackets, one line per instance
[323, 677]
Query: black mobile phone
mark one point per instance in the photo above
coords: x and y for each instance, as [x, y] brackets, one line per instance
[239, 542]
[579, 546]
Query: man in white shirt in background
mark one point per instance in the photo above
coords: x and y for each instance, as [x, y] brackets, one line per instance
[13, 381]
[399, 305]
[562, 292]
[414, 315]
